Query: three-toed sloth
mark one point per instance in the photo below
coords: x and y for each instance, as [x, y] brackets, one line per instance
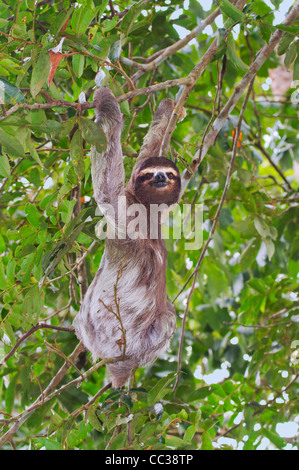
[125, 309]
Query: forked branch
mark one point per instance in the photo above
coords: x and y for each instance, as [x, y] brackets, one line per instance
[215, 221]
[238, 92]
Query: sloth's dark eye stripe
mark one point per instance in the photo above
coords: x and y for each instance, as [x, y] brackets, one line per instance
[145, 176]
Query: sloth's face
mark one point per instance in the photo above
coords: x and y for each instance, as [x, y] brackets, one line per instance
[157, 181]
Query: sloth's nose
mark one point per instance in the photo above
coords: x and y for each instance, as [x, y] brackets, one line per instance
[160, 177]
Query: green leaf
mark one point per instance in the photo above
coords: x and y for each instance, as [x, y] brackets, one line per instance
[119, 441]
[33, 215]
[159, 390]
[11, 145]
[233, 56]
[260, 7]
[289, 29]
[2, 276]
[127, 400]
[78, 434]
[2, 244]
[131, 16]
[66, 209]
[33, 303]
[72, 232]
[32, 150]
[8, 329]
[60, 21]
[284, 43]
[196, 9]
[206, 443]
[230, 10]
[82, 17]
[107, 25]
[225, 218]
[50, 126]
[266, 31]
[34, 177]
[261, 226]
[47, 201]
[274, 438]
[65, 188]
[270, 247]
[249, 254]
[115, 51]
[9, 93]
[78, 61]
[103, 7]
[201, 393]
[140, 24]
[4, 166]
[65, 430]
[10, 394]
[174, 442]
[258, 284]
[190, 431]
[296, 69]
[93, 418]
[93, 134]
[40, 73]
[48, 444]
[26, 268]
[76, 153]
[290, 55]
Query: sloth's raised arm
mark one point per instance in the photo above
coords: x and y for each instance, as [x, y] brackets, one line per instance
[107, 168]
[153, 140]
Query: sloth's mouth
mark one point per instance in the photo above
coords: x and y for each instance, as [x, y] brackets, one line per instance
[159, 184]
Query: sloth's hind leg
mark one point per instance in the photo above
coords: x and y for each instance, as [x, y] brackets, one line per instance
[159, 334]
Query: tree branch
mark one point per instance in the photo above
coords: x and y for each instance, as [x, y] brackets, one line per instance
[188, 87]
[259, 146]
[32, 330]
[49, 394]
[239, 90]
[76, 265]
[204, 250]
[83, 106]
[156, 59]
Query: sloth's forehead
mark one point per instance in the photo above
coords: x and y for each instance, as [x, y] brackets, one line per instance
[154, 169]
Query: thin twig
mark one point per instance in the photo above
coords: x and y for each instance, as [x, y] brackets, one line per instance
[259, 146]
[122, 341]
[193, 76]
[151, 63]
[259, 326]
[263, 407]
[90, 105]
[11, 173]
[76, 265]
[238, 92]
[32, 330]
[60, 353]
[58, 311]
[49, 394]
[204, 250]
[92, 400]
